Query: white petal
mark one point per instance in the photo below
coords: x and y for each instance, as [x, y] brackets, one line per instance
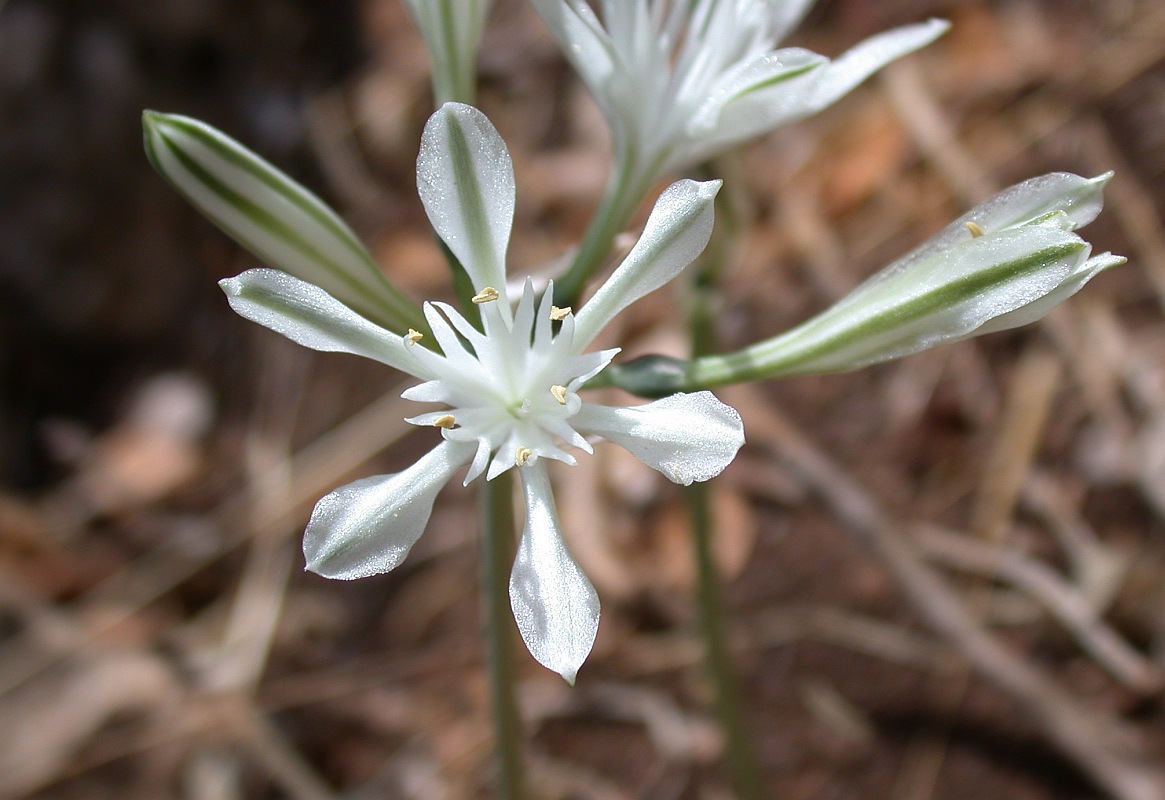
[753, 76]
[369, 526]
[787, 15]
[860, 62]
[435, 391]
[555, 606]
[676, 232]
[466, 182]
[762, 110]
[1077, 199]
[687, 437]
[582, 39]
[270, 214]
[1039, 308]
[309, 316]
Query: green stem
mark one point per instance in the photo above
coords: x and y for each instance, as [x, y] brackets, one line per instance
[625, 188]
[497, 557]
[739, 754]
[740, 757]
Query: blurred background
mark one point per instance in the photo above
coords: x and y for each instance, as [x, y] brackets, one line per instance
[159, 456]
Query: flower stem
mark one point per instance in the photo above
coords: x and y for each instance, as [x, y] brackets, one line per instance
[740, 756]
[497, 555]
[624, 191]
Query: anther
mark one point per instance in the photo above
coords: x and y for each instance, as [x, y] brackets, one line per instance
[414, 336]
[447, 421]
[559, 314]
[974, 229]
[522, 455]
[559, 393]
[486, 295]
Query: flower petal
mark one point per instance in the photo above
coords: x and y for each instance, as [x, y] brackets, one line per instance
[1038, 309]
[787, 15]
[582, 39]
[369, 526]
[309, 316]
[271, 215]
[555, 606]
[466, 182]
[687, 437]
[452, 32]
[676, 232]
[762, 110]
[1072, 200]
[752, 76]
[860, 62]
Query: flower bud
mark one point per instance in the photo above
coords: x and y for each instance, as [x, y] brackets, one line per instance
[1004, 264]
[273, 216]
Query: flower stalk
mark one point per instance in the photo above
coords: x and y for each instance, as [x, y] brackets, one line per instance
[739, 753]
[621, 197]
[497, 551]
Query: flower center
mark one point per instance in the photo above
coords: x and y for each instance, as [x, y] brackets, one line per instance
[512, 388]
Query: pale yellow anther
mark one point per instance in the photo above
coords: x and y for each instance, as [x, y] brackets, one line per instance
[486, 295]
[522, 455]
[559, 393]
[447, 421]
[974, 229]
[559, 314]
[412, 337]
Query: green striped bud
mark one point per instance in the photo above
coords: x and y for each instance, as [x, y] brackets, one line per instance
[273, 216]
[1004, 264]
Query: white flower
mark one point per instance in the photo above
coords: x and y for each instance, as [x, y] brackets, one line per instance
[509, 393]
[682, 80]
[452, 32]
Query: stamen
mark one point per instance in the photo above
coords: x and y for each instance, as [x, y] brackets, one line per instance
[447, 422]
[522, 455]
[975, 230]
[486, 295]
[559, 393]
[414, 336]
[559, 314]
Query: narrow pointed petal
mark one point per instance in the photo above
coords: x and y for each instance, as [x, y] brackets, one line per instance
[760, 111]
[786, 16]
[1075, 200]
[271, 215]
[466, 182]
[434, 391]
[753, 76]
[555, 606]
[1039, 308]
[860, 62]
[309, 316]
[676, 232]
[582, 39]
[687, 437]
[368, 527]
